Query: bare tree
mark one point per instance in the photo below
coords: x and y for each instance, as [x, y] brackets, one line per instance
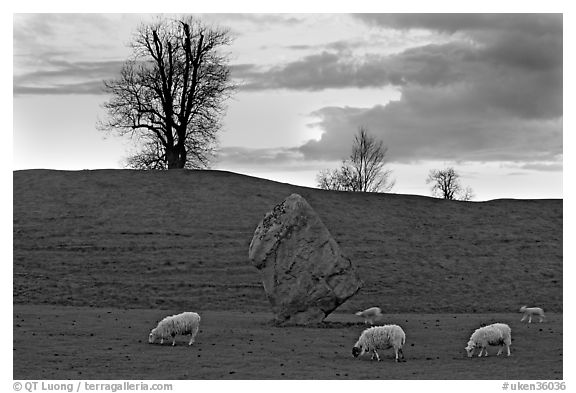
[170, 95]
[446, 185]
[367, 160]
[342, 179]
[467, 194]
[363, 171]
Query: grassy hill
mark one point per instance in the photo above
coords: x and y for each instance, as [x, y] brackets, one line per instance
[179, 240]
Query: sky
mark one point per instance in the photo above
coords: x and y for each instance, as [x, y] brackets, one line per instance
[482, 93]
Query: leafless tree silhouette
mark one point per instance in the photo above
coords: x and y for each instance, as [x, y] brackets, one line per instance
[446, 185]
[170, 94]
[363, 171]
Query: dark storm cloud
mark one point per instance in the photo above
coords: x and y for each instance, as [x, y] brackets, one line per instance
[490, 90]
[494, 76]
[431, 125]
[314, 72]
[513, 49]
[451, 23]
[526, 41]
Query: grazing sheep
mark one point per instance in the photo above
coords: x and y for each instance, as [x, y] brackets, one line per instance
[370, 314]
[529, 311]
[380, 337]
[185, 323]
[495, 334]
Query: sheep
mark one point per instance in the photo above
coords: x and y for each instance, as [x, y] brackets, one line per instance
[381, 337]
[370, 314]
[184, 323]
[495, 334]
[529, 311]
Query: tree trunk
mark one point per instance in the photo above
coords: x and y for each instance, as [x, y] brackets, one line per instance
[172, 159]
[183, 157]
[176, 157]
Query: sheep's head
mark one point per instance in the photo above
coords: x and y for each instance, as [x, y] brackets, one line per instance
[153, 336]
[523, 308]
[470, 348]
[358, 351]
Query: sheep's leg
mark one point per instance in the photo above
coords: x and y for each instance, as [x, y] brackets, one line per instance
[500, 350]
[401, 352]
[523, 317]
[193, 336]
[377, 356]
[161, 341]
[541, 318]
[508, 349]
[530, 319]
[396, 353]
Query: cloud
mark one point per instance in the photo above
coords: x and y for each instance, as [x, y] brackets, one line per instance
[38, 34]
[91, 88]
[66, 53]
[533, 89]
[313, 72]
[544, 166]
[260, 21]
[64, 77]
[513, 60]
[431, 123]
[478, 87]
[266, 159]
[489, 90]
[472, 22]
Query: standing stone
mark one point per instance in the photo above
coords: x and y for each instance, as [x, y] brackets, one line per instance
[305, 275]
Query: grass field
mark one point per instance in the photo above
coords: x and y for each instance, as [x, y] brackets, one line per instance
[101, 256]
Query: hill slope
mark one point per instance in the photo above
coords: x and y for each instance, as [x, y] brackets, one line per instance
[179, 240]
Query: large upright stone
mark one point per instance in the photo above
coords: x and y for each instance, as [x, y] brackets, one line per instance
[305, 275]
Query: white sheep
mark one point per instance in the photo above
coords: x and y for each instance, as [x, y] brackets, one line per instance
[495, 334]
[380, 337]
[184, 323]
[370, 315]
[529, 311]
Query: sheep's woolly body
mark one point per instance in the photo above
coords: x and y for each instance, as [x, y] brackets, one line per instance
[495, 334]
[380, 337]
[184, 323]
[529, 311]
[370, 315]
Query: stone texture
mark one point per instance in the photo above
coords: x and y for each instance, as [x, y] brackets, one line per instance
[304, 272]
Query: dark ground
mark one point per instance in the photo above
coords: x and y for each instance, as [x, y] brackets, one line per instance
[101, 256]
[58, 342]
